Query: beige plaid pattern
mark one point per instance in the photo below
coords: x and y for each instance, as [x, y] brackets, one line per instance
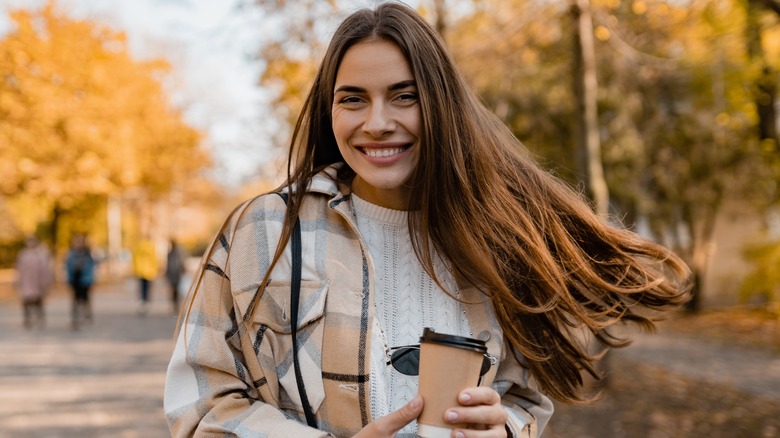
[231, 373]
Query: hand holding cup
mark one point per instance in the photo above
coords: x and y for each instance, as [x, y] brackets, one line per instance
[480, 408]
[451, 368]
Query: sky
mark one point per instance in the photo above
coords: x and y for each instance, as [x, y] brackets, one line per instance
[211, 45]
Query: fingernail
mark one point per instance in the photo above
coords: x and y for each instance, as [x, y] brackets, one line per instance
[415, 403]
[460, 434]
[452, 416]
[465, 396]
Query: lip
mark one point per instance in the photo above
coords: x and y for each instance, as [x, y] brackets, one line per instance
[404, 147]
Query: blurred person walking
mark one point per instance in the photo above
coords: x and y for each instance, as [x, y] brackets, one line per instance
[80, 268]
[34, 278]
[174, 269]
[145, 266]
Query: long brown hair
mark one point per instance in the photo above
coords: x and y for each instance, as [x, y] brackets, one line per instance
[533, 245]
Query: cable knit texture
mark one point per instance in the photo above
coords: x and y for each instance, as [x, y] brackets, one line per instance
[407, 299]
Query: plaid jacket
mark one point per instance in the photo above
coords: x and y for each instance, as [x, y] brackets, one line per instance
[231, 373]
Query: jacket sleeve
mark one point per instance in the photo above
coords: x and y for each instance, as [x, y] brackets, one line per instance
[528, 410]
[208, 390]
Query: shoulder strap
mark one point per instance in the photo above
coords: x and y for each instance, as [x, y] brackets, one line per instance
[295, 293]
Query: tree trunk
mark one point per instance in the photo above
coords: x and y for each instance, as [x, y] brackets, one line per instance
[701, 230]
[441, 17]
[766, 83]
[54, 235]
[773, 5]
[586, 91]
[56, 215]
[765, 106]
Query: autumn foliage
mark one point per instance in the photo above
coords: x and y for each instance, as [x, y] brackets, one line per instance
[81, 119]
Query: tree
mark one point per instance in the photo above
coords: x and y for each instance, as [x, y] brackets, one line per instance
[764, 76]
[773, 5]
[80, 119]
[682, 106]
[673, 114]
[529, 55]
[676, 119]
[292, 52]
[585, 91]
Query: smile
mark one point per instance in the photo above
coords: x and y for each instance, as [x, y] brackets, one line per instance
[383, 152]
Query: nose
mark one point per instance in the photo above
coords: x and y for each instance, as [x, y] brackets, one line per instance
[379, 121]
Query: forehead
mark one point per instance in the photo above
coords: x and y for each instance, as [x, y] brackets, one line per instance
[373, 62]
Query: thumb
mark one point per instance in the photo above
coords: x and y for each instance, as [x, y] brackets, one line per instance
[396, 420]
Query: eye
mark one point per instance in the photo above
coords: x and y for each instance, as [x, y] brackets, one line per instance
[349, 100]
[407, 97]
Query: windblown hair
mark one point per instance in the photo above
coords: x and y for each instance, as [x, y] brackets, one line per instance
[533, 245]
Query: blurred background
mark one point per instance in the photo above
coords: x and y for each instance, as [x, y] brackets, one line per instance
[127, 120]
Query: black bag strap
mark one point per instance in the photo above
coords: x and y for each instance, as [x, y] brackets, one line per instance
[295, 293]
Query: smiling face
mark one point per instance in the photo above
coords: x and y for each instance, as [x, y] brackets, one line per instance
[376, 121]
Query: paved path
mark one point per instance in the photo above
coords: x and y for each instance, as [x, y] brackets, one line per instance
[107, 380]
[102, 381]
[749, 369]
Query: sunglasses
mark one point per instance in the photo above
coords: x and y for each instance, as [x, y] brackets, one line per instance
[406, 360]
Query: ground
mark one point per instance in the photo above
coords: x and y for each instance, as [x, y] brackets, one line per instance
[716, 374]
[648, 400]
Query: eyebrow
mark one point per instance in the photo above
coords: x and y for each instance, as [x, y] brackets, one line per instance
[392, 87]
[403, 84]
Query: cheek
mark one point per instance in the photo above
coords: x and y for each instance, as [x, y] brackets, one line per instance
[340, 132]
[413, 123]
[340, 121]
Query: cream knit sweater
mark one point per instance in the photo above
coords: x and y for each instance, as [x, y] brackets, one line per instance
[406, 299]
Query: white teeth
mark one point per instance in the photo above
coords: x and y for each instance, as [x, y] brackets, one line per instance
[382, 152]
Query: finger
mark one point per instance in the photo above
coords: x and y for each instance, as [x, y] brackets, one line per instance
[489, 415]
[395, 421]
[481, 395]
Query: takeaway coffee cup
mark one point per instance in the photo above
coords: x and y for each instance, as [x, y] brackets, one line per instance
[448, 365]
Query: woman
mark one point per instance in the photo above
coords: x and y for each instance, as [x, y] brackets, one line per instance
[145, 266]
[174, 269]
[417, 207]
[80, 268]
[34, 278]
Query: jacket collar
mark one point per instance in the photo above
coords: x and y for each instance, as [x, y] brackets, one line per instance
[325, 182]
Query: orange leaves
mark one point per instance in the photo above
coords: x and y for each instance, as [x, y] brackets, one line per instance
[80, 117]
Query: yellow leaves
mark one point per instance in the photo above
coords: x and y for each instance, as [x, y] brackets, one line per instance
[663, 10]
[292, 79]
[771, 42]
[639, 7]
[608, 4]
[602, 33]
[28, 167]
[79, 117]
[29, 212]
[528, 56]
[20, 57]
[88, 163]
